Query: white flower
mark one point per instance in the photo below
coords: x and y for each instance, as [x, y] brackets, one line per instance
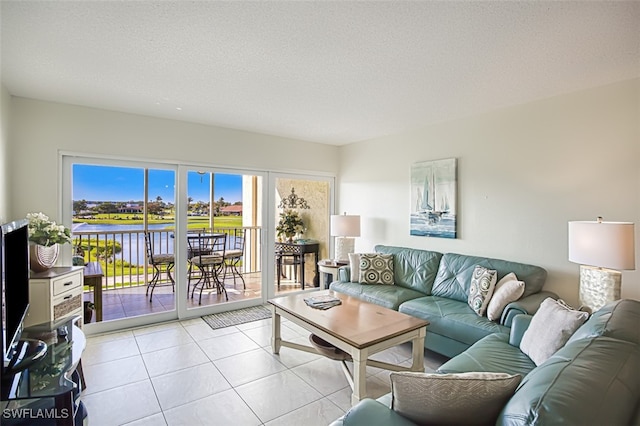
[46, 232]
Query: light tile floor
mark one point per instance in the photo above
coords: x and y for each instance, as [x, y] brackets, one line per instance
[185, 373]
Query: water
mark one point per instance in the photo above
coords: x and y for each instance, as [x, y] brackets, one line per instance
[133, 249]
[133, 246]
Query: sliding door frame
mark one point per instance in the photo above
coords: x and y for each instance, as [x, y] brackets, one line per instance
[267, 217]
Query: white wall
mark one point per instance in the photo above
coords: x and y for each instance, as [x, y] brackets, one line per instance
[5, 100]
[523, 173]
[40, 130]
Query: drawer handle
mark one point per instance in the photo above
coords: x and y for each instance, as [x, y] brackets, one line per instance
[68, 297]
[67, 283]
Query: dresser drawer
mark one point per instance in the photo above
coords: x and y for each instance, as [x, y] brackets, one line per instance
[66, 283]
[65, 304]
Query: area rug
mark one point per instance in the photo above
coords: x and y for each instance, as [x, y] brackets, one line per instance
[239, 316]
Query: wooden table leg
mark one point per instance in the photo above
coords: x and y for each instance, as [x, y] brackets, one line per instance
[97, 298]
[417, 349]
[359, 376]
[276, 339]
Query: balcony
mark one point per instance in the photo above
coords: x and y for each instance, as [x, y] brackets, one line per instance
[127, 272]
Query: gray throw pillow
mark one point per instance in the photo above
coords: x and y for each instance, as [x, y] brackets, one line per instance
[447, 399]
[550, 328]
[483, 282]
[376, 268]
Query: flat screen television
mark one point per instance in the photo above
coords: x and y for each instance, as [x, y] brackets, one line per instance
[14, 282]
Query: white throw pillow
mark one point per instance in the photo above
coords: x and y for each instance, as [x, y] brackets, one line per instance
[483, 282]
[550, 328]
[354, 265]
[508, 290]
[462, 398]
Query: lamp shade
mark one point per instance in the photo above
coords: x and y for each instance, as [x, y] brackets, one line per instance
[602, 244]
[345, 225]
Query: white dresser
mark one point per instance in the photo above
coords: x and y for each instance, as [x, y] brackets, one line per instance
[55, 294]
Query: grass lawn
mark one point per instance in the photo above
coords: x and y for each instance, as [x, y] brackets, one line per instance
[132, 219]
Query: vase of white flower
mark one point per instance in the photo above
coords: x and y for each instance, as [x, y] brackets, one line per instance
[45, 237]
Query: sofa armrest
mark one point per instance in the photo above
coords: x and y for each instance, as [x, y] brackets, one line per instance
[519, 325]
[344, 274]
[527, 305]
[370, 412]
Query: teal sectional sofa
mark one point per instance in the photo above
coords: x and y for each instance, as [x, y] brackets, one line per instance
[435, 287]
[594, 379]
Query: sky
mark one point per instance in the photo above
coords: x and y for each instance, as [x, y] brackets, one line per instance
[109, 183]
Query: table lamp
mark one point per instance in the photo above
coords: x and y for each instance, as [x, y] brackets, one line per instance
[344, 228]
[602, 249]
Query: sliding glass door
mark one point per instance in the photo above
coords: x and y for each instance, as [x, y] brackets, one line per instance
[302, 207]
[123, 225]
[180, 241]
[223, 237]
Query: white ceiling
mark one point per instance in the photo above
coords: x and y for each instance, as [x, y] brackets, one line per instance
[329, 72]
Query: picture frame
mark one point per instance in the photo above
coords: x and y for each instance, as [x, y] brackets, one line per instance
[434, 199]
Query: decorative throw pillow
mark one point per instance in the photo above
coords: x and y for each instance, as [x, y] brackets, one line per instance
[550, 328]
[462, 398]
[508, 290]
[376, 268]
[482, 283]
[354, 266]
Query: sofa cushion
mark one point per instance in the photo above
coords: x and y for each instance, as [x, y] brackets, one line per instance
[389, 296]
[451, 318]
[507, 290]
[455, 270]
[587, 382]
[466, 398]
[376, 268]
[491, 354]
[550, 328]
[619, 319]
[413, 268]
[483, 281]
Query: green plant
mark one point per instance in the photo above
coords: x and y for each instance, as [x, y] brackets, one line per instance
[46, 232]
[290, 224]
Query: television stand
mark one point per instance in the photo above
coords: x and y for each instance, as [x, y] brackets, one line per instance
[49, 387]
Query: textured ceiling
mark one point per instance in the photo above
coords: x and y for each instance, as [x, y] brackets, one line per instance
[329, 72]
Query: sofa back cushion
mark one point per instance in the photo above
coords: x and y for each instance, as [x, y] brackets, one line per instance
[619, 319]
[412, 268]
[587, 382]
[454, 275]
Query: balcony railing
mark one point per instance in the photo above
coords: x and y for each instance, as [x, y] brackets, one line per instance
[123, 257]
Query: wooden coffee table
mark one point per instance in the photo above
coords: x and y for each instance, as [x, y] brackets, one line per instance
[359, 328]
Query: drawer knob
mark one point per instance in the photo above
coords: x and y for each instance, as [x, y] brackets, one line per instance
[67, 283]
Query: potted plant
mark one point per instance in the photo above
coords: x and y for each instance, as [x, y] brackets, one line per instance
[46, 236]
[289, 225]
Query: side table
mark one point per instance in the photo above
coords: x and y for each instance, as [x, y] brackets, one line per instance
[329, 270]
[93, 278]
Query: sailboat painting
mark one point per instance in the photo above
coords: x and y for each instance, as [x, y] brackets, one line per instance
[433, 198]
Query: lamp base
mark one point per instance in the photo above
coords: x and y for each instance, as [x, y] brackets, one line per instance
[599, 286]
[344, 246]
